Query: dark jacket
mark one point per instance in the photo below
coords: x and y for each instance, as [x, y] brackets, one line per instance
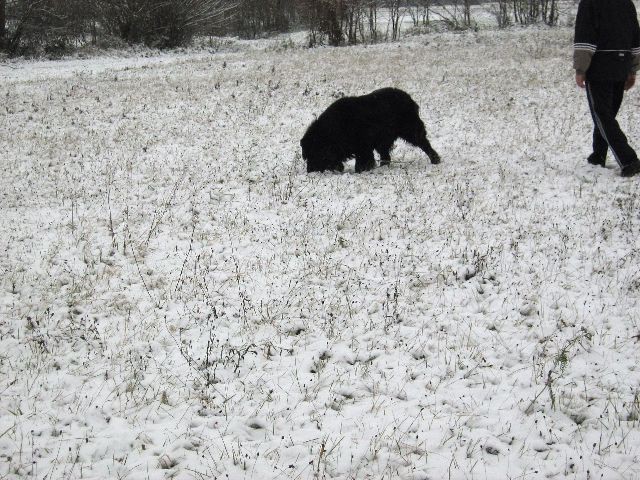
[607, 40]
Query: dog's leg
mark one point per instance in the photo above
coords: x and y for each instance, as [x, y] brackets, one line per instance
[385, 154]
[365, 161]
[426, 147]
[419, 139]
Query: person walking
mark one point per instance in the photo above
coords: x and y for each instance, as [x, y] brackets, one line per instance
[606, 56]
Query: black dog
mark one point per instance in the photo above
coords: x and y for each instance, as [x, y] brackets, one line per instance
[356, 126]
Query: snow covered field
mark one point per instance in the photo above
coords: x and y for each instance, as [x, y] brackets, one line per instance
[180, 299]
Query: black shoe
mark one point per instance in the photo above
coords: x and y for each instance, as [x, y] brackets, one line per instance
[631, 169]
[595, 159]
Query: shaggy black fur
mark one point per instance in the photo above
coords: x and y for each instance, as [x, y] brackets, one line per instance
[356, 126]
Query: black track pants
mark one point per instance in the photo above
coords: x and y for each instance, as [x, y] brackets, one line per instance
[605, 99]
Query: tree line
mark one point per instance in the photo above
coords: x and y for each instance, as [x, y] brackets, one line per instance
[55, 26]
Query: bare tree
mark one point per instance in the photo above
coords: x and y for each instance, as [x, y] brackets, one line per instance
[337, 22]
[456, 14]
[529, 12]
[396, 13]
[32, 25]
[3, 23]
[160, 23]
[418, 10]
[549, 11]
[255, 17]
[372, 17]
[466, 9]
[53, 26]
[323, 19]
[352, 20]
[501, 13]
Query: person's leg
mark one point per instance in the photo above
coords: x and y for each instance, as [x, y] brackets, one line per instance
[600, 147]
[604, 102]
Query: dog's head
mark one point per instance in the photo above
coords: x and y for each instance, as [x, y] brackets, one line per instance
[317, 151]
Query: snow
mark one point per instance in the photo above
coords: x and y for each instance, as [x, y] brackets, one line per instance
[180, 299]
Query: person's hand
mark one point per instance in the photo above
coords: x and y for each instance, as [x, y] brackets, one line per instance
[631, 81]
[580, 79]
